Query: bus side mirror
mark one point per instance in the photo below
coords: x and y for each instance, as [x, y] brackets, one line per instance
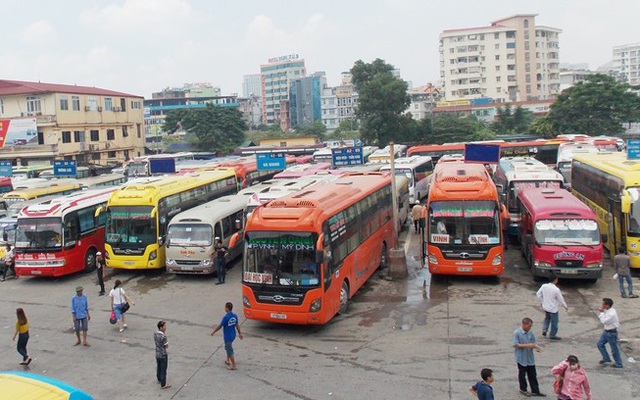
[99, 211]
[234, 239]
[5, 237]
[500, 188]
[625, 202]
[160, 240]
[605, 238]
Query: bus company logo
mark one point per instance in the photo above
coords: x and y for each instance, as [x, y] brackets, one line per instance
[464, 256]
[277, 299]
[568, 254]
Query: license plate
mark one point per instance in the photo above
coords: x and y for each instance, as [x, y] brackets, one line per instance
[129, 263]
[186, 268]
[465, 269]
[36, 272]
[278, 316]
[570, 271]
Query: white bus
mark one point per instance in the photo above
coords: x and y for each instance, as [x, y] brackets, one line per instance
[417, 169]
[384, 155]
[404, 204]
[565, 155]
[191, 234]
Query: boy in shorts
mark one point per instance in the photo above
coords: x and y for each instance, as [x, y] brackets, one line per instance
[229, 325]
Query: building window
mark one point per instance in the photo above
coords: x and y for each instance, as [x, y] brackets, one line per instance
[497, 46]
[66, 136]
[111, 154]
[125, 133]
[95, 156]
[139, 130]
[526, 23]
[497, 57]
[75, 103]
[496, 35]
[95, 135]
[136, 105]
[497, 79]
[33, 105]
[92, 104]
[78, 136]
[64, 103]
[497, 68]
[111, 134]
[108, 104]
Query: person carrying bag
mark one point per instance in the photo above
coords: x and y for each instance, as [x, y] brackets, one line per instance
[571, 381]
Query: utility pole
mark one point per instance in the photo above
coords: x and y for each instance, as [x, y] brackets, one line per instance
[397, 258]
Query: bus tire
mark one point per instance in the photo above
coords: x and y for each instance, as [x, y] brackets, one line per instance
[383, 257]
[90, 260]
[344, 298]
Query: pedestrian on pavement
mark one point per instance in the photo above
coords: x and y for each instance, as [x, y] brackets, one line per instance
[416, 216]
[609, 318]
[221, 264]
[22, 331]
[9, 262]
[550, 298]
[524, 342]
[100, 270]
[229, 325]
[162, 357]
[622, 264]
[118, 298]
[483, 388]
[81, 316]
[575, 382]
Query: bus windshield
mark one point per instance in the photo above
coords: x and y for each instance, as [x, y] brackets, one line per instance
[39, 233]
[281, 258]
[189, 235]
[516, 186]
[567, 232]
[127, 225]
[408, 172]
[464, 222]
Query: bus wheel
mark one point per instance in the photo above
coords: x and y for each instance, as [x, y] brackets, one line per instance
[383, 257]
[344, 298]
[90, 261]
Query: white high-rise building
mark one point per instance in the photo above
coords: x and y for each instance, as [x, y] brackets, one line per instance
[510, 60]
[251, 86]
[626, 63]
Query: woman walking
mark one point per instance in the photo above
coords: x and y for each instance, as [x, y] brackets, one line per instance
[22, 331]
[574, 382]
[118, 299]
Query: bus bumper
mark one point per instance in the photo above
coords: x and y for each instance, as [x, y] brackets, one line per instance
[191, 269]
[569, 273]
[474, 270]
[22, 270]
[284, 317]
[133, 263]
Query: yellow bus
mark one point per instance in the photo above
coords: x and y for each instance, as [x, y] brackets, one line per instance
[28, 171]
[54, 188]
[138, 214]
[610, 185]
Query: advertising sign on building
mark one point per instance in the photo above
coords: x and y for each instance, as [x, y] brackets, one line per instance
[18, 132]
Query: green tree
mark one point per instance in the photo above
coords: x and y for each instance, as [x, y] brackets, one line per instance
[382, 101]
[510, 121]
[315, 128]
[347, 125]
[599, 105]
[450, 127]
[217, 129]
[542, 127]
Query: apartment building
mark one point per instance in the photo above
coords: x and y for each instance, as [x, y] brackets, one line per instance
[513, 59]
[339, 103]
[626, 63]
[423, 100]
[275, 81]
[48, 121]
[305, 99]
[251, 85]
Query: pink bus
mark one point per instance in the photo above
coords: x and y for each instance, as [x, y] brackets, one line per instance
[559, 235]
[300, 170]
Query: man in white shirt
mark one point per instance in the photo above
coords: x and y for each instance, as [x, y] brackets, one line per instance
[609, 318]
[550, 298]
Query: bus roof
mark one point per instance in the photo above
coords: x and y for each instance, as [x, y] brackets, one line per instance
[460, 181]
[32, 193]
[58, 206]
[148, 193]
[567, 150]
[614, 163]
[549, 203]
[404, 162]
[527, 168]
[211, 211]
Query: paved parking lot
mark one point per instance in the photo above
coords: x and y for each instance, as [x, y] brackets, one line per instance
[415, 338]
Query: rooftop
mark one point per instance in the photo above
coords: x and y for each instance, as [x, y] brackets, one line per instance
[9, 87]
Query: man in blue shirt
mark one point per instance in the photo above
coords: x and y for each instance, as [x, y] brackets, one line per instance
[229, 325]
[524, 342]
[81, 316]
[483, 388]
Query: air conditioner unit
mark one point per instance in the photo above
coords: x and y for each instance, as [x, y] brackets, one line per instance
[116, 109]
[99, 108]
[107, 145]
[23, 114]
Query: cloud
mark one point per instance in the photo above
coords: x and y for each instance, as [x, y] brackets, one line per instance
[38, 32]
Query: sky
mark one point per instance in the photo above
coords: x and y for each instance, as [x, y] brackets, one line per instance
[143, 46]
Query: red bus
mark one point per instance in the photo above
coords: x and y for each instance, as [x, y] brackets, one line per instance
[307, 253]
[559, 235]
[464, 221]
[6, 184]
[61, 236]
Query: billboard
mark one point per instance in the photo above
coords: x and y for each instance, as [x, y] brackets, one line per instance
[18, 132]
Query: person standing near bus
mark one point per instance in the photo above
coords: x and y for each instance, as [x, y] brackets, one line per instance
[118, 298]
[229, 325]
[162, 357]
[416, 216]
[550, 298]
[622, 264]
[81, 316]
[221, 264]
[9, 262]
[22, 331]
[609, 318]
[524, 343]
[100, 270]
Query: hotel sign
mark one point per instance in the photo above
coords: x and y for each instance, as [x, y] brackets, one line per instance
[288, 57]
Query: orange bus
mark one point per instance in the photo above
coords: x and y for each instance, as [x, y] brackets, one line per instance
[308, 252]
[464, 221]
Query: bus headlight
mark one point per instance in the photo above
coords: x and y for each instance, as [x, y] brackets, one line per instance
[541, 264]
[594, 265]
[316, 305]
[246, 302]
[634, 253]
[205, 263]
[433, 259]
[170, 262]
[153, 255]
[497, 260]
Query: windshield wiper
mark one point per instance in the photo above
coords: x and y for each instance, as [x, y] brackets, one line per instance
[292, 284]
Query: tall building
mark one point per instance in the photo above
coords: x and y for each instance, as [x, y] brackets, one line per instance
[626, 63]
[305, 99]
[251, 85]
[47, 121]
[423, 101]
[510, 60]
[339, 103]
[275, 80]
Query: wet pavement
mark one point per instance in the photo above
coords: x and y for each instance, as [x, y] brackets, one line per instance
[413, 338]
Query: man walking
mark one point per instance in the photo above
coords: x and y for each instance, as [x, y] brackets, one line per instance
[229, 325]
[524, 342]
[483, 388]
[550, 298]
[100, 270]
[622, 264]
[81, 316]
[416, 216]
[162, 357]
[221, 264]
[609, 318]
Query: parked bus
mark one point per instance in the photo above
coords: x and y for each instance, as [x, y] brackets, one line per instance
[81, 172]
[514, 174]
[54, 187]
[417, 169]
[248, 173]
[139, 166]
[384, 155]
[559, 235]
[464, 221]
[300, 170]
[191, 234]
[306, 254]
[138, 214]
[61, 236]
[403, 198]
[6, 184]
[565, 155]
[29, 171]
[610, 185]
[100, 181]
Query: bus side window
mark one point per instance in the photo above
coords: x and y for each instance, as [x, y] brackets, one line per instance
[70, 230]
[217, 230]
